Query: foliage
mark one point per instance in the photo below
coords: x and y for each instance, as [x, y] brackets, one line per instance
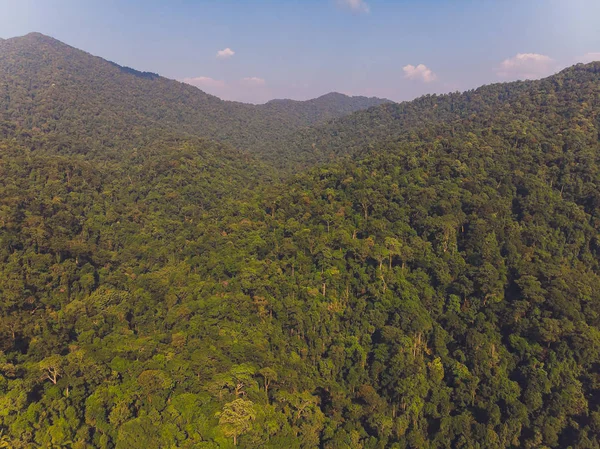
[438, 289]
[47, 87]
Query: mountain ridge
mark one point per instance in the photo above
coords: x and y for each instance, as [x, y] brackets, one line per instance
[346, 135]
[75, 86]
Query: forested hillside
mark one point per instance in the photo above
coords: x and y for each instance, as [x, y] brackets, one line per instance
[440, 288]
[556, 103]
[49, 87]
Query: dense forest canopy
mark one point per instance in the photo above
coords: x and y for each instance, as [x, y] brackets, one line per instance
[431, 279]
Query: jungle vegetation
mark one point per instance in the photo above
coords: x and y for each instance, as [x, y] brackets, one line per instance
[414, 275]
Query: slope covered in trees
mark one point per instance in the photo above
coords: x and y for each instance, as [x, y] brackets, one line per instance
[440, 289]
[555, 103]
[51, 87]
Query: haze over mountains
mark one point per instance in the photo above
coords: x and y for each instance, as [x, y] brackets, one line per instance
[178, 271]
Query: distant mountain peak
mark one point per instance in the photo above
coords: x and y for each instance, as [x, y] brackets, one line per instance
[35, 36]
[330, 95]
[334, 98]
[35, 40]
[338, 96]
[334, 94]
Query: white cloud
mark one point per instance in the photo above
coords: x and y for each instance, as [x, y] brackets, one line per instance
[225, 54]
[420, 73]
[527, 66]
[354, 5]
[591, 57]
[204, 82]
[254, 81]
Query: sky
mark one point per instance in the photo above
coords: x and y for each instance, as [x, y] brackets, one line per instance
[254, 51]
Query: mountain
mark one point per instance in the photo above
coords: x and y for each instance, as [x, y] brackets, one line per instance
[324, 108]
[50, 86]
[431, 279]
[554, 103]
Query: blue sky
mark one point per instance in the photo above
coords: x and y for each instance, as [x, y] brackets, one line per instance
[304, 48]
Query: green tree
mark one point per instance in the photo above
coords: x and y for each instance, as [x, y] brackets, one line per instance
[236, 418]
